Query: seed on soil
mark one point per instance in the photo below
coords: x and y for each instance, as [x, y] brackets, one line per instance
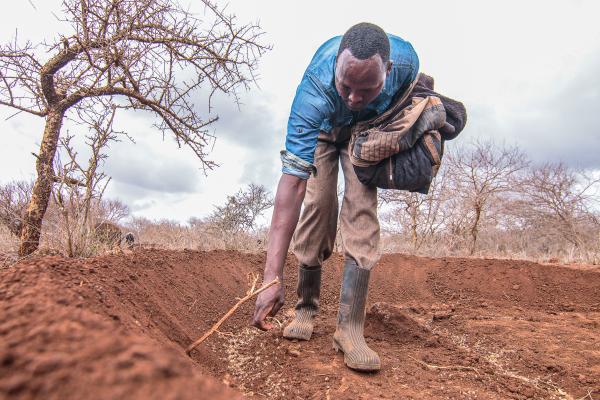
[293, 352]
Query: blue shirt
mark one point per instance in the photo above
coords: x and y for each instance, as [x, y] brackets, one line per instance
[318, 107]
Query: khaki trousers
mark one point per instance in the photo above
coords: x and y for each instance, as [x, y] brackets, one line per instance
[316, 231]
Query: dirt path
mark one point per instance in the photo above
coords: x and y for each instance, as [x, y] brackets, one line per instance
[116, 327]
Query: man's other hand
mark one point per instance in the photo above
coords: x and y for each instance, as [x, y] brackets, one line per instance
[288, 201]
[268, 304]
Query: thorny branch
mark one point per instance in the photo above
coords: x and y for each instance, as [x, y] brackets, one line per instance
[152, 54]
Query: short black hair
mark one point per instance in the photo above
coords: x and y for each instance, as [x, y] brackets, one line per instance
[364, 40]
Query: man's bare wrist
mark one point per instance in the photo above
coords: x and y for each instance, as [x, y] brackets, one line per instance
[271, 275]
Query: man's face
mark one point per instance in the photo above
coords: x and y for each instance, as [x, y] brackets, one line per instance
[359, 82]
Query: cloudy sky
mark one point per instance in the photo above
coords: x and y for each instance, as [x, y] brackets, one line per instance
[527, 72]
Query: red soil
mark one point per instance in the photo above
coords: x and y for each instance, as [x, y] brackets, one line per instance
[116, 327]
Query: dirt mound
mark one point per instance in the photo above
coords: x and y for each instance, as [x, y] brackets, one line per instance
[387, 322]
[116, 327]
[54, 346]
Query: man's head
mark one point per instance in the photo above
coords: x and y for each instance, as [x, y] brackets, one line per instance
[363, 62]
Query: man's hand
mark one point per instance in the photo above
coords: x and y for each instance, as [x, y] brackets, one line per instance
[268, 304]
[288, 202]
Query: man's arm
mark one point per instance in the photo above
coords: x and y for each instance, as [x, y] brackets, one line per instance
[288, 201]
[308, 112]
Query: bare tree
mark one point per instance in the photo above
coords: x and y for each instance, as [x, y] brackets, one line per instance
[112, 210]
[240, 211]
[480, 172]
[149, 55]
[556, 202]
[423, 215]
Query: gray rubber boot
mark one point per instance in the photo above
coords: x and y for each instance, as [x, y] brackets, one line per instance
[309, 288]
[348, 336]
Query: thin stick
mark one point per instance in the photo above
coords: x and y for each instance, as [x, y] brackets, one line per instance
[229, 313]
[589, 394]
[450, 367]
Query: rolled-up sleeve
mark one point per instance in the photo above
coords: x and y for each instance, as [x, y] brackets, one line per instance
[309, 109]
[294, 165]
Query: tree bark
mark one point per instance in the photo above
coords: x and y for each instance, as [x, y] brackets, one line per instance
[413, 227]
[42, 188]
[475, 230]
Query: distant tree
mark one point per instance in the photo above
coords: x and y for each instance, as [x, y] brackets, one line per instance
[557, 202]
[240, 211]
[150, 55]
[479, 173]
[422, 216]
[112, 210]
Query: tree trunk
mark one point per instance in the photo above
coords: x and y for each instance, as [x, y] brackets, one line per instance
[475, 230]
[42, 188]
[65, 214]
[413, 227]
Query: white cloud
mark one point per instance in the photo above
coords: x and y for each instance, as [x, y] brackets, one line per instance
[525, 69]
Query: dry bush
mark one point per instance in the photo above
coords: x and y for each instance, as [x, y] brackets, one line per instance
[9, 243]
[70, 220]
[231, 226]
[163, 233]
[65, 231]
[14, 197]
[196, 235]
[72, 237]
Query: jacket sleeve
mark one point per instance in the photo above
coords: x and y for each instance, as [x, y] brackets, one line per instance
[309, 109]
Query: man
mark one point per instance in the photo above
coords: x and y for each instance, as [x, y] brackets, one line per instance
[350, 79]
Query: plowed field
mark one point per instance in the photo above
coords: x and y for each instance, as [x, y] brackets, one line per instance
[115, 327]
